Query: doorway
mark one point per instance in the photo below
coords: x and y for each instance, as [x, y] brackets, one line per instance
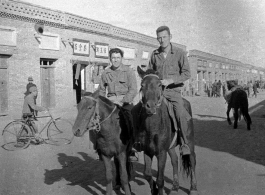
[3, 85]
[79, 80]
[47, 83]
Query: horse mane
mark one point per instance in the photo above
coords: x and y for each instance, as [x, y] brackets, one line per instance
[106, 101]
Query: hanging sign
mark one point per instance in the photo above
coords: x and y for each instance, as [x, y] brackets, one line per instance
[102, 50]
[81, 47]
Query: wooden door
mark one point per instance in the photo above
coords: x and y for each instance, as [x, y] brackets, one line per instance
[3, 85]
[47, 87]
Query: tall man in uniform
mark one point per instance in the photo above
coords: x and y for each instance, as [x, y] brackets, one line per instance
[118, 83]
[173, 69]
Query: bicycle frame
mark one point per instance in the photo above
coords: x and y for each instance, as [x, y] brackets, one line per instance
[32, 119]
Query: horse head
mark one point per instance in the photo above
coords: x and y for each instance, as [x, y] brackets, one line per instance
[231, 84]
[86, 112]
[151, 89]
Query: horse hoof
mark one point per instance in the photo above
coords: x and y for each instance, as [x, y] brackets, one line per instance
[193, 192]
[230, 123]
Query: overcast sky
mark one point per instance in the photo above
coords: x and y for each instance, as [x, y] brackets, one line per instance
[231, 28]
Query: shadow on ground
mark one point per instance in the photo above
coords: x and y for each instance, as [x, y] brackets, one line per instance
[219, 136]
[89, 174]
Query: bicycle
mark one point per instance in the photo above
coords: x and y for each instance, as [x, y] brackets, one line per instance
[19, 133]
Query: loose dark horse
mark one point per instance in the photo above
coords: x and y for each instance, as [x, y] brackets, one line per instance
[238, 101]
[113, 137]
[153, 128]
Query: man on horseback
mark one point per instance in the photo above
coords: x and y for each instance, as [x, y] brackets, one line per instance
[173, 68]
[118, 83]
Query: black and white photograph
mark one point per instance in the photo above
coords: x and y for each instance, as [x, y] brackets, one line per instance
[121, 97]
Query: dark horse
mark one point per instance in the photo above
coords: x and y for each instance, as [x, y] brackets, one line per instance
[154, 129]
[113, 137]
[239, 102]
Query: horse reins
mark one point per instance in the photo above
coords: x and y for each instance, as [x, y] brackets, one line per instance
[95, 122]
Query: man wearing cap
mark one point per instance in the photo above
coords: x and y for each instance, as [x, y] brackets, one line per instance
[30, 84]
[173, 69]
[30, 106]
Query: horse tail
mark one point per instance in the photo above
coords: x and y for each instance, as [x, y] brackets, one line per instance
[186, 164]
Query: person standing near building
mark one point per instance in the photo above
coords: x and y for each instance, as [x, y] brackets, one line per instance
[29, 85]
[255, 89]
[30, 107]
[118, 83]
[173, 69]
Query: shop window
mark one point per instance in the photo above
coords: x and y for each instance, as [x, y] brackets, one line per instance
[217, 65]
[199, 62]
[205, 63]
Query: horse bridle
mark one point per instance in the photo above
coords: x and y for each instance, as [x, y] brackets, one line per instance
[161, 94]
[95, 122]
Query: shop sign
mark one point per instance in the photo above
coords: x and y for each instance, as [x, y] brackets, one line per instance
[8, 36]
[129, 53]
[102, 50]
[81, 47]
[49, 41]
[145, 55]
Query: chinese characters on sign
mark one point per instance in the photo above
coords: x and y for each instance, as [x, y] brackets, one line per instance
[102, 50]
[81, 47]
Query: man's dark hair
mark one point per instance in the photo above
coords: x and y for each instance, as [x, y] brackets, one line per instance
[162, 28]
[115, 50]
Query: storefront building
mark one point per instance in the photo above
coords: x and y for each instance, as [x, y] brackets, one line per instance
[207, 68]
[64, 53]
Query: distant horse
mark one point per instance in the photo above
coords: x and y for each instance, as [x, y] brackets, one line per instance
[239, 102]
[154, 129]
[113, 137]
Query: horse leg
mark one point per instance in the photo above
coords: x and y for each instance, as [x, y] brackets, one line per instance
[249, 122]
[174, 161]
[193, 188]
[161, 160]
[148, 173]
[235, 117]
[227, 113]
[108, 169]
[247, 118]
[123, 173]
[118, 177]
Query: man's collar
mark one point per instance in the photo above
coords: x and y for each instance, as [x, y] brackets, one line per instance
[121, 67]
[159, 50]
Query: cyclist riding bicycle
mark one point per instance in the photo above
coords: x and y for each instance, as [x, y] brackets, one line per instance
[29, 107]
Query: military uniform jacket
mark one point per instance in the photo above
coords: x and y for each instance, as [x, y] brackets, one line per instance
[121, 81]
[175, 66]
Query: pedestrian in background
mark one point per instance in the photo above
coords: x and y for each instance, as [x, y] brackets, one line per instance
[255, 89]
[224, 86]
[214, 89]
[29, 85]
[249, 86]
[218, 88]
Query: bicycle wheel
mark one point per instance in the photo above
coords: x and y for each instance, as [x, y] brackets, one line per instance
[16, 136]
[60, 131]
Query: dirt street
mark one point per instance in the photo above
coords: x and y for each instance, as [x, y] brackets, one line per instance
[229, 162]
